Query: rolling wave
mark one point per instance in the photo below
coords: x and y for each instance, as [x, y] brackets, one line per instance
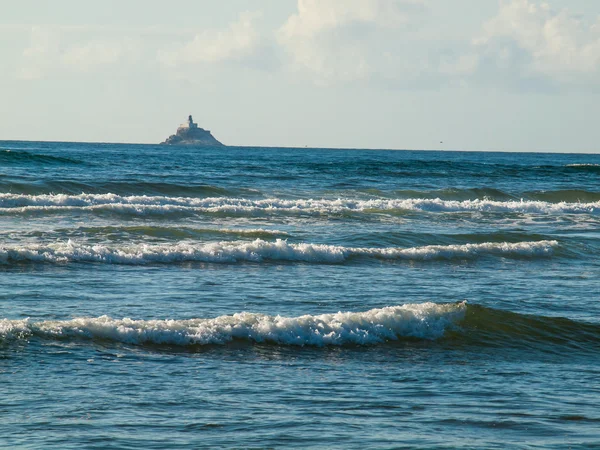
[259, 251]
[16, 156]
[566, 195]
[95, 187]
[174, 232]
[424, 321]
[442, 194]
[41, 187]
[498, 328]
[148, 231]
[456, 324]
[142, 204]
[584, 167]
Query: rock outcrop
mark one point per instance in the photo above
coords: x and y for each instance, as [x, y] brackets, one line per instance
[190, 134]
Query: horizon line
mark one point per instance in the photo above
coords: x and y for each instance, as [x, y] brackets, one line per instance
[307, 147]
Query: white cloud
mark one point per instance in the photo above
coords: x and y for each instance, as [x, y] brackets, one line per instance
[348, 39]
[530, 40]
[241, 42]
[526, 44]
[391, 42]
[315, 16]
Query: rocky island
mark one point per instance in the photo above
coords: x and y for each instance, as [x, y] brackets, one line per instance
[190, 134]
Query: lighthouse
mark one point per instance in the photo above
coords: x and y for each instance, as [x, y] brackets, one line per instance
[189, 133]
[188, 125]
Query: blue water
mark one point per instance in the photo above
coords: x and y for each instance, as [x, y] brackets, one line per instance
[155, 297]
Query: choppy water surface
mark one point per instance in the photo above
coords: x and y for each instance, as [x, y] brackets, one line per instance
[159, 297]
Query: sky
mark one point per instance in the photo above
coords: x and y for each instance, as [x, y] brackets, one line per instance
[508, 75]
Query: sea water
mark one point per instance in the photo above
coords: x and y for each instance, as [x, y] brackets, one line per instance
[159, 297]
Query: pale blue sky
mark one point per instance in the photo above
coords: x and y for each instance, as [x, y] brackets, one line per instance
[512, 75]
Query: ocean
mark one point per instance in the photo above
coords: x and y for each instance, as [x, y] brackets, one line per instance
[159, 297]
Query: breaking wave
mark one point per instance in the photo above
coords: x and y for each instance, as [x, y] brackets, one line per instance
[454, 324]
[142, 204]
[421, 321]
[260, 250]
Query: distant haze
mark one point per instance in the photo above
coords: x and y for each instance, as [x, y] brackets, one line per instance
[514, 75]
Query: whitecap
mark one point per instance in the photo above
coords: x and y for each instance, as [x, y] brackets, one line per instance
[421, 321]
[258, 251]
[10, 203]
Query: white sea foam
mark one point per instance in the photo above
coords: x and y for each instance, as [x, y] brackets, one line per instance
[422, 321]
[259, 250]
[10, 203]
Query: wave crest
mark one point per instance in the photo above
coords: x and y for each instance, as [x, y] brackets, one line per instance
[260, 250]
[457, 324]
[419, 321]
[142, 204]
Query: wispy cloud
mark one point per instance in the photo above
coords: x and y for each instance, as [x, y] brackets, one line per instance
[54, 51]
